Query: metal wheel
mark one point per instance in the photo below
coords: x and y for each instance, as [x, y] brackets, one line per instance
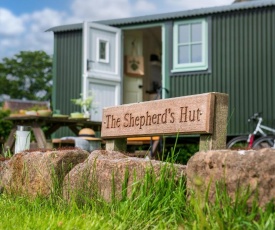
[238, 143]
[264, 142]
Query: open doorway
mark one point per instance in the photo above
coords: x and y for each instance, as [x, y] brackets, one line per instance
[146, 45]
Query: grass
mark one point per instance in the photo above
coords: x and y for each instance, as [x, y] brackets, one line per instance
[155, 203]
[163, 206]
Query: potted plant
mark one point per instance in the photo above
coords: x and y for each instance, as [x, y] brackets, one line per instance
[86, 105]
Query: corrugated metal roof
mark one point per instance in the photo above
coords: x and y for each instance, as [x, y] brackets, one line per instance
[69, 27]
[173, 15]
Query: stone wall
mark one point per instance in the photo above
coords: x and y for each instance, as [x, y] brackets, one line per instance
[36, 173]
[235, 170]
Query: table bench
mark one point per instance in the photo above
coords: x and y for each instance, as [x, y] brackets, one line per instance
[53, 123]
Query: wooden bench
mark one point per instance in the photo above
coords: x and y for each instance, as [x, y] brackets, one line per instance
[133, 142]
[58, 143]
[203, 114]
[141, 140]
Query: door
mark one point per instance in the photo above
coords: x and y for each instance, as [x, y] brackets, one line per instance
[132, 91]
[132, 86]
[102, 74]
[147, 43]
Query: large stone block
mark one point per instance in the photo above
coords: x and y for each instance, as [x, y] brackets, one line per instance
[37, 173]
[252, 168]
[103, 173]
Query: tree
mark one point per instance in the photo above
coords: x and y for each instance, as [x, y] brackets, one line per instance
[27, 75]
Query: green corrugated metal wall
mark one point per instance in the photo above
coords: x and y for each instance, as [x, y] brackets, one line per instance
[68, 65]
[243, 64]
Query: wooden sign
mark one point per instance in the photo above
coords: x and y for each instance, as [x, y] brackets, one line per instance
[183, 115]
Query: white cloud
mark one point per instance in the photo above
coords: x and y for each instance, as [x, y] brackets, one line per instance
[31, 34]
[9, 23]
[45, 18]
[100, 9]
[27, 31]
[144, 6]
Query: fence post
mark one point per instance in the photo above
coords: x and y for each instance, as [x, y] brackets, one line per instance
[116, 144]
[217, 140]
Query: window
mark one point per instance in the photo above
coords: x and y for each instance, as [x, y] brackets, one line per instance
[102, 51]
[190, 46]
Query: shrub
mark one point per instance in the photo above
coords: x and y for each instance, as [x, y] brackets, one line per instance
[182, 153]
[5, 126]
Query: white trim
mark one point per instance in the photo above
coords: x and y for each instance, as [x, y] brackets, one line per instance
[141, 26]
[118, 67]
[103, 78]
[163, 60]
[203, 65]
[116, 84]
[91, 72]
[85, 48]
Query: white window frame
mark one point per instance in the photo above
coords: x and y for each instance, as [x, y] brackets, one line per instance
[196, 66]
[106, 60]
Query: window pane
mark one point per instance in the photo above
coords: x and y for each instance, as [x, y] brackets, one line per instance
[183, 55]
[184, 34]
[196, 53]
[196, 31]
[102, 50]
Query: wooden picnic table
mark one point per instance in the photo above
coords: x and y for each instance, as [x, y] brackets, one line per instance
[53, 123]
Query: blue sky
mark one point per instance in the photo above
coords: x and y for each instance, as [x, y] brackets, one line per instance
[22, 6]
[23, 22]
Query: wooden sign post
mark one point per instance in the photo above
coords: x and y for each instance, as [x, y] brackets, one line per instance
[204, 114]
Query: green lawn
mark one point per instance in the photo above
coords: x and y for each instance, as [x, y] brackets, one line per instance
[154, 204]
